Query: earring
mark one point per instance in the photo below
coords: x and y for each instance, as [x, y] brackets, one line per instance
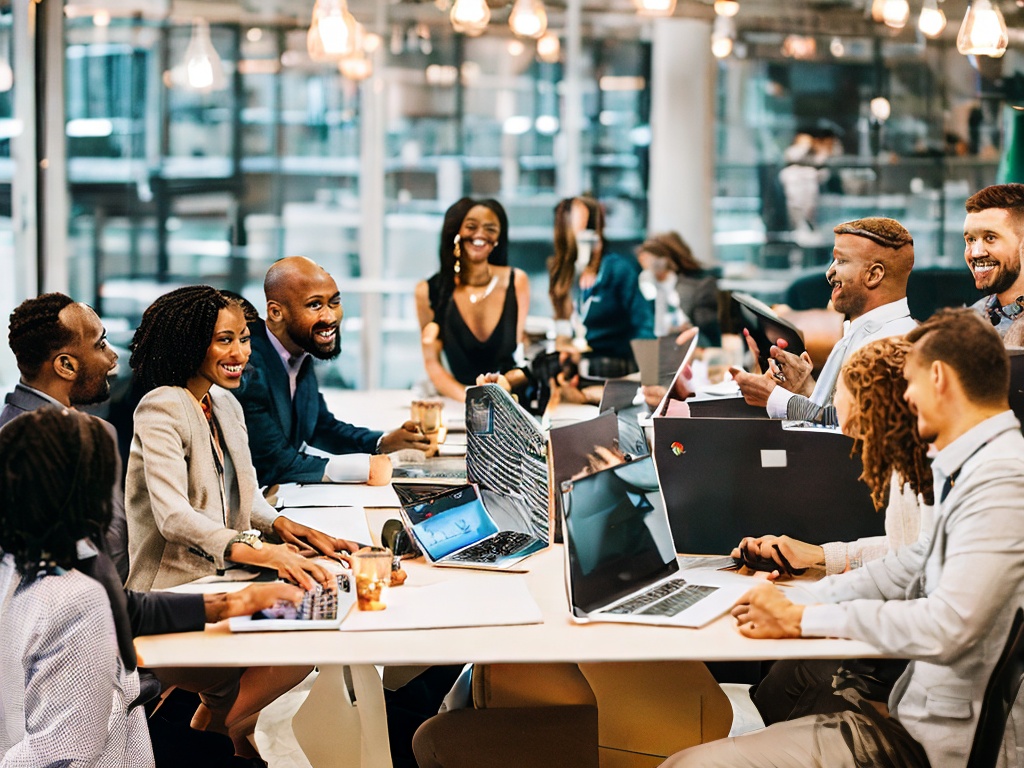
[457, 250]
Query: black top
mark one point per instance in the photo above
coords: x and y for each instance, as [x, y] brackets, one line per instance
[467, 356]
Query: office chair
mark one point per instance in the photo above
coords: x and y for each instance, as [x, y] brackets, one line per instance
[1000, 694]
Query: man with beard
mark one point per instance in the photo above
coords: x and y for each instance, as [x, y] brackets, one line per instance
[993, 243]
[62, 353]
[284, 410]
[871, 262]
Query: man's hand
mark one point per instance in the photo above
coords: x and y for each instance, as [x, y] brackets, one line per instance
[246, 602]
[406, 436]
[311, 542]
[756, 387]
[795, 369]
[764, 612]
[788, 553]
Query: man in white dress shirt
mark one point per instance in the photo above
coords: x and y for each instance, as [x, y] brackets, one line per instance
[872, 260]
[945, 602]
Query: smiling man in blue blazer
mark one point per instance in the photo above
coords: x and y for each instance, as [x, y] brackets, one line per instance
[284, 410]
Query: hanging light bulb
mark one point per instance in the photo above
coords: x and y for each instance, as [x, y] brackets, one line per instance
[723, 35]
[880, 109]
[528, 18]
[356, 66]
[470, 17]
[932, 20]
[549, 48]
[983, 32]
[895, 13]
[331, 31]
[203, 68]
[727, 7]
[837, 48]
[656, 7]
[877, 7]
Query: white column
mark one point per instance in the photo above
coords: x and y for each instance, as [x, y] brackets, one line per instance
[53, 177]
[23, 153]
[569, 168]
[682, 132]
[371, 228]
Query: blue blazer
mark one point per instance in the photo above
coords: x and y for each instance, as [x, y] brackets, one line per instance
[278, 428]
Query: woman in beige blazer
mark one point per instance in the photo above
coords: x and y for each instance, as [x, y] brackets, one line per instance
[191, 498]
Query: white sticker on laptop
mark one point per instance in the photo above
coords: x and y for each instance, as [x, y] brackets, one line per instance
[771, 459]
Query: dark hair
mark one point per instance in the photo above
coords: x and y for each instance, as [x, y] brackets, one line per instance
[562, 266]
[453, 219]
[36, 333]
[969, 345]
[671, 246]
[888, 430]
[170, 343]
[888, 233]
[1009, 197]
[248, 308]
[56, 472]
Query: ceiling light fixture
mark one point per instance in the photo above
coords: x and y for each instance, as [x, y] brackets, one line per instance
[895, 13]
[549, 48]
[203, 68]
[932, 20]
[357, 64]
[656, 7]
[332, 31]
[723, 35]
[470, 17]
[880, 109]
[727, 7]
[983, 31]
[528, 19]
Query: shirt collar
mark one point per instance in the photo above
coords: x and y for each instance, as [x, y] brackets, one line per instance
[290, 362]
[955, 455]
[879, 316]
[43, 395]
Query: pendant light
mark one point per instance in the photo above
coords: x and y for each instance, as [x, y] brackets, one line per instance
[357, 64]
[932, 20]
[549, 48]
[727, 7]
[895, 13]
[723, 35]
[470, 17]
[656, 7]
[528, 19]
[203, 68]
[983, 31]
[332, 31]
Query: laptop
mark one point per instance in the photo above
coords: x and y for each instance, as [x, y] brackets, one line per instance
[680, 388]
[658, 359]
[454, 529]
[621, 563]
[724, 479]
[766, 327]
[506, 456]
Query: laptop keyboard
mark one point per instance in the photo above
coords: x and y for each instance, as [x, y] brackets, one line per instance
[490, 550]
[667, 599]
[316, 605]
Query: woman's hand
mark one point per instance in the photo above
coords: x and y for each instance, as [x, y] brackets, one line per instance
[788, 553]
[310, 542]
[286, 560]
[494, 378]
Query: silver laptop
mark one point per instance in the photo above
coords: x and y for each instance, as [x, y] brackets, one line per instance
[453, 528]
[621, 563]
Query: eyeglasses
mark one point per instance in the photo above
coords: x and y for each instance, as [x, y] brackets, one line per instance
[996, 312]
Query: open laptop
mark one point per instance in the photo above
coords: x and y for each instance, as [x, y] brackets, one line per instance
[724, 479]
[506, 456]
[680, 388]
[621, 561]
[453, 528]
[658, 359]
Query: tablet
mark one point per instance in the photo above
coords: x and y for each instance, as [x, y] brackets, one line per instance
[766, 327]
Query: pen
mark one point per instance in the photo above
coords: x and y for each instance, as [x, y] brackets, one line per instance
[776, 370]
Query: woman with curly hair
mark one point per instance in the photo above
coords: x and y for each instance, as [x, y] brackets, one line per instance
[870, 409]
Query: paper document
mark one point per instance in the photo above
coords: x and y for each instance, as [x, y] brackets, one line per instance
[340, 522]
[330, 495]
[470, 602]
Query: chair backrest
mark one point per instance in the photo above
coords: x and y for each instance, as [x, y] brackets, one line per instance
[1003, 686]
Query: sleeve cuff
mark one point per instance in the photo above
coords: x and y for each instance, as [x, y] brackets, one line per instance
[824, 621]
[835, 557]
[778, 402]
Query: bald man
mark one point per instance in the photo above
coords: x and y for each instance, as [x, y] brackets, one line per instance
[284, 410]
[871, 262]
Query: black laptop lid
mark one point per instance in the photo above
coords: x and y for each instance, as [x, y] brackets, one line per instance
[616, 534]
[724, 479]
[766, 327]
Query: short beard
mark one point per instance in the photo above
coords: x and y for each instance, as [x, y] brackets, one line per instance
[1005, 281]
[80, 395]
[308, 345]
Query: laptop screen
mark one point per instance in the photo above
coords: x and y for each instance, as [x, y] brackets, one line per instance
[616, 533]
[450, 522]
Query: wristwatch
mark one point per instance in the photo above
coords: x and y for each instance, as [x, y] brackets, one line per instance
[251, 538]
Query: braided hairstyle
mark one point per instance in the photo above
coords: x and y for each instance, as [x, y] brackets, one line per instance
[888, 438]
[56, 471]
[170, 343]
[36, 333]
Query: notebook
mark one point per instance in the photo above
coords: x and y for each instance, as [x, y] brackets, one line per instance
[621, 563]
[506, 456]
[723, 479]
[454, 529]
[766, 327]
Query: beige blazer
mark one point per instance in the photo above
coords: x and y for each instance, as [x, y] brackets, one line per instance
[178, 528]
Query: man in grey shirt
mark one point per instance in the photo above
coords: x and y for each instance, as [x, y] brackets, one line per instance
[945, 602]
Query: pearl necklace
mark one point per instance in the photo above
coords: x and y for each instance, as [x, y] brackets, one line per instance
[475, 297]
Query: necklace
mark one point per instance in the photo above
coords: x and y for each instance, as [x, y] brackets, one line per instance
[475, 297]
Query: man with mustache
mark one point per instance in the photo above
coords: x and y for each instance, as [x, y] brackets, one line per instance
[993, 243]
[284, 410]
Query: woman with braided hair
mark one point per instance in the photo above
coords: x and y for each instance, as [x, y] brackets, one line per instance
[67, 669]
[192, 500]
[870, 409]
